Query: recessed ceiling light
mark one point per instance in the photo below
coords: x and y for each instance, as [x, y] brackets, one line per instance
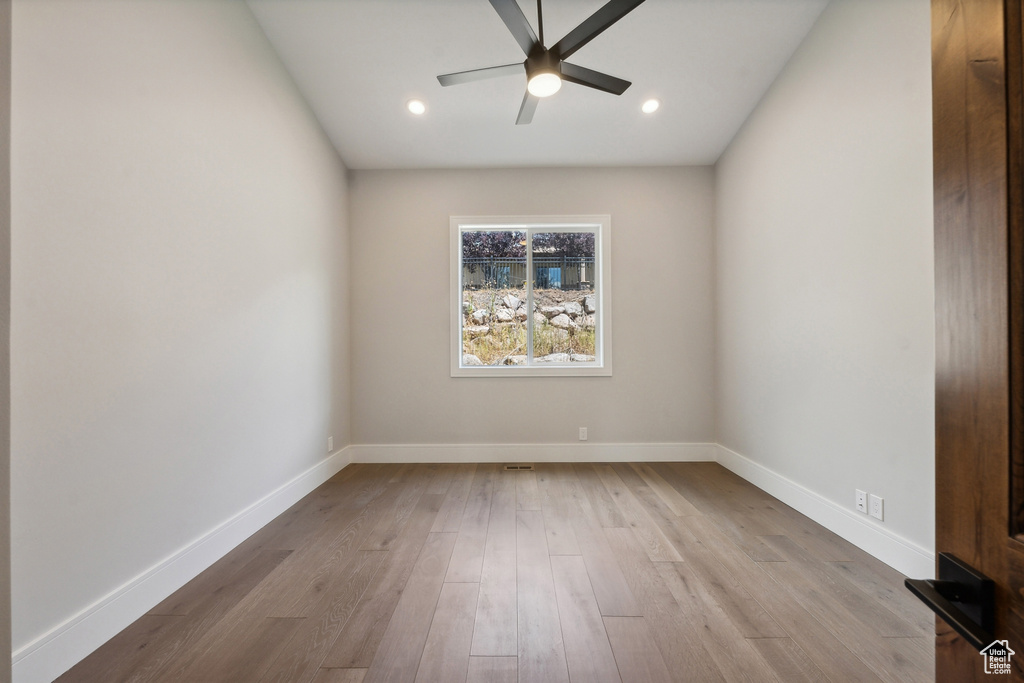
[416, 107]
[650, 106]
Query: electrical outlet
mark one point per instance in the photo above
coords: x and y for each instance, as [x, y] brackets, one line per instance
[583, 433]
[862, 501]
[875, 506]
[330, 444]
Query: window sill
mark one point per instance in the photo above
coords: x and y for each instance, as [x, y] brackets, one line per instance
[532, 371]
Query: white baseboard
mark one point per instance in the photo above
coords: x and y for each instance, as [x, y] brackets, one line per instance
[540, 452]
[53, 653]
[899, 553]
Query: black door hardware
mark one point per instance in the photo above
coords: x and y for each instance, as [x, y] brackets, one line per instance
[962, 596]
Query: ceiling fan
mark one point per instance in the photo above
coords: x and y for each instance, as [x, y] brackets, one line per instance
[545, 67]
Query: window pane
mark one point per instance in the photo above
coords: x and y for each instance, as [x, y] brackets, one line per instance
[565, 304]
[494, 298]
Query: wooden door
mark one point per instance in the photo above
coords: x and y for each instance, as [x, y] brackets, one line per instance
[979, 286]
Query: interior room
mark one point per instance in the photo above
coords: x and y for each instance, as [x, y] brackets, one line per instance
[231, 265]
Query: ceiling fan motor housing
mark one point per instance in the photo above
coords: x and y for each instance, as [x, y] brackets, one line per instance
[541, 60]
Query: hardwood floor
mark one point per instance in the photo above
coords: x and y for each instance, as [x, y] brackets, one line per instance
[573, 572]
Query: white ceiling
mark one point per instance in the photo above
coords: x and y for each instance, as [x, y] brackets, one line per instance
[357, 62]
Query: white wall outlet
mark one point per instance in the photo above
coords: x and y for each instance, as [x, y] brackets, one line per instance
[862, 501]
[875, 506]
[583, 433]
[330, 444]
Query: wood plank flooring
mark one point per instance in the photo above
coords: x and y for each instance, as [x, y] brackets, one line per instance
[581, 573]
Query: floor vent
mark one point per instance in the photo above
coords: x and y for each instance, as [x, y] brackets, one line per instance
[519, 468]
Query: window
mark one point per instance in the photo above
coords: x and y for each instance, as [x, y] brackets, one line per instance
[530, 296]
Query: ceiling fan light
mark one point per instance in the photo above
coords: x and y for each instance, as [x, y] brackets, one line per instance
[416, 107]
[544, 84]
[650, 106]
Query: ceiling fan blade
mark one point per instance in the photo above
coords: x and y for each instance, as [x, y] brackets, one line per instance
[526, 110]
[593, 26]
[593, 79]
[515, 20]
[481, 74]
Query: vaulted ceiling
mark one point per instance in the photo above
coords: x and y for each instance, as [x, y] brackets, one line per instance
[357, 63]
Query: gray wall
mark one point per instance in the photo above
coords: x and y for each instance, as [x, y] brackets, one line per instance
[5, 338]
[661, 247]
[179, 312]
[824, 297]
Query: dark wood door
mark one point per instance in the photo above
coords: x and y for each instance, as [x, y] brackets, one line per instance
[979, 261]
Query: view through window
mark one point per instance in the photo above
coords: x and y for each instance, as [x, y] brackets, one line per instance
[529, 296]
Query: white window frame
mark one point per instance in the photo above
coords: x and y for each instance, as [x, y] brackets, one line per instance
[601, 226]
